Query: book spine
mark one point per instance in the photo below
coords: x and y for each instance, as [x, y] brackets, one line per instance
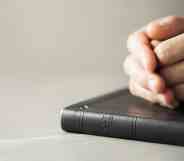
[160, 131]
[125, 127]
[97, 124]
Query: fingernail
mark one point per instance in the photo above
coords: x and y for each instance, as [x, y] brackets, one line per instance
[163, 102]
[170, 99]
[170, 106]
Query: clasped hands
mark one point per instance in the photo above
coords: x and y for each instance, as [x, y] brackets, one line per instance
[155, 64]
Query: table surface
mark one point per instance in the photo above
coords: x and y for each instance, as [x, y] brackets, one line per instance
[30, 124]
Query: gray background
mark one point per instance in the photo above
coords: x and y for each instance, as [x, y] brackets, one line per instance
[54, 53]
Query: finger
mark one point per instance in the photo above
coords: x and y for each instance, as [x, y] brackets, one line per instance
[165, 28]
[147, 80]
[179, 91]
[173, 74]
[138, 44]
[166, 99]
[155, 43]
[170, 51]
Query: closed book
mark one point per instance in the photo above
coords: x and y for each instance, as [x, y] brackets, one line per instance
[122, 115]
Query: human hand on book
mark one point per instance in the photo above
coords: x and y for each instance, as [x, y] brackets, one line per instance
[156, 61]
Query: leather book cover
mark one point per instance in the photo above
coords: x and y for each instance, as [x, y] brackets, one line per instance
[122, 115]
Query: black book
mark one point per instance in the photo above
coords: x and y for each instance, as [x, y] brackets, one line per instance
[121, 115]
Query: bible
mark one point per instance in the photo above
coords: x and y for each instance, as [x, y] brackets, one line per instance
[122, 115]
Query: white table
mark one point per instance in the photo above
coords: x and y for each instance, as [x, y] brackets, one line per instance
[30, 125]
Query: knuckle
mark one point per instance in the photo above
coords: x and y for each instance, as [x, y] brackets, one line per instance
[132, 38]
[172, 18]
[160, 51]
[136, 39]
[128, 64]
[163, 53]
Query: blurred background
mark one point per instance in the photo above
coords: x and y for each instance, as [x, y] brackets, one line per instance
[57, 52]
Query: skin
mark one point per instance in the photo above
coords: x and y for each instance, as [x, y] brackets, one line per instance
[170, 51]
[156, 61]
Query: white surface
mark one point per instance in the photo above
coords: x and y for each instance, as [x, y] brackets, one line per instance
[30, 127]
[31, 109]
[31, 130]
[54, 53]
[87, 148]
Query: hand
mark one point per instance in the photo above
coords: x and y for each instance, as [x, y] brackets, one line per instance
[141, 64]
[170, 54]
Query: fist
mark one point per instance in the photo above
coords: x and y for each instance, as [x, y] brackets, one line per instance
[154, 64]
[170, 54]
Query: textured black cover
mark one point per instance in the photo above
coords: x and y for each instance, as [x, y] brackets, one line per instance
[121, 115]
